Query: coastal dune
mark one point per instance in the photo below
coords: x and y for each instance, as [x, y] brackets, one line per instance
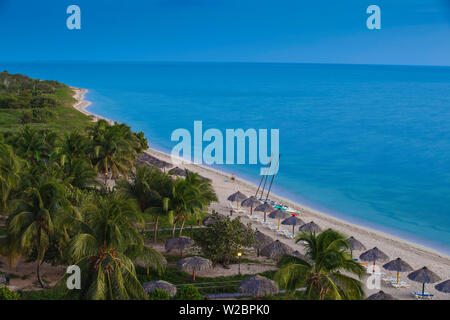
[414, 254]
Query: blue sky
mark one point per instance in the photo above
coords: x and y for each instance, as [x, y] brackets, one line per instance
[415, 32]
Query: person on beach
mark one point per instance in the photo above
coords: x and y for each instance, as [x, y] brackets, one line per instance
[233, 177]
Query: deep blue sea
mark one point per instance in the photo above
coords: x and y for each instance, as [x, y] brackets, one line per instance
[369, 144]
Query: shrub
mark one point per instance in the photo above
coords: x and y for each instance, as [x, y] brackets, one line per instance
[188, 292]
[6, 294]
[159, 294]
[222, 240]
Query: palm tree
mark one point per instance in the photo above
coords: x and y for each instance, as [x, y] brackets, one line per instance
[106, 248]
[38, 215]
[192, 196]
[326, 256]
[73, 146]
[113, 153]
[150, 189]
[10, 169]
[29, 143]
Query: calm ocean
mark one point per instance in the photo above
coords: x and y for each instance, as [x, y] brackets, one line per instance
[369, 144]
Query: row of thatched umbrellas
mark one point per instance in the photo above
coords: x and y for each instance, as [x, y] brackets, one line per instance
[279, 214]
[275, 249]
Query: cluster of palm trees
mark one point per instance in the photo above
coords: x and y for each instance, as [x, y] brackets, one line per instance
[57, 209]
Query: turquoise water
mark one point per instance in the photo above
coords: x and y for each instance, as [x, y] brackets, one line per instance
[370, 144]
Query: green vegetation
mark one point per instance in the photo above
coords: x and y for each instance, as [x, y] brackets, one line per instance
[41, 104]
[6, 294]
[322, 276]
[57, 206]
[159, 294]
[188, 292]
[222, 240]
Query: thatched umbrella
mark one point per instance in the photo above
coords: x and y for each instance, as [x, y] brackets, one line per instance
[398, 265]
[237, 197]
[160, 284]
[292, 221]
[355, 245]
[276, 250]
[177, 172]
[251, 202]
[423, 276]
[180, 243]
[278, 214]
[209, 220]
[265, 207]
[310, 227]
[374, 254]
[443, 286]
[262, 240]
[380, 295]
[193, 264]
[258, 286]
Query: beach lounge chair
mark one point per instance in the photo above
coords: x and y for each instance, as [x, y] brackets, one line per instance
[389, 279]
[420, 295]
[401, 284]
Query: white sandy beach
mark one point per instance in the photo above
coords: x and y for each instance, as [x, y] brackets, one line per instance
[415, 255]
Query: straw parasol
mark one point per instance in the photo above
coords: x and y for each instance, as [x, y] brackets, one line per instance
[374, 255]
[180, 243]
[381, 295]
[160, 284]
[292, 221]
[278, 214]
[398, 265]
[251, 202]
[265, 207]
[423, 276]
[262, 240]
[193, 264]
[177, 172]
[209, 220]
[310, 227]
[354, 244]
[237, 197]
[443, 286]
[276, 250]
[258, 286]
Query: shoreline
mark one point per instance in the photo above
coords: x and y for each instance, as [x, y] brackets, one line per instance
[415, 254]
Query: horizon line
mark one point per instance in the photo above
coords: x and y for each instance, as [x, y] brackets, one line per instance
[224, 62]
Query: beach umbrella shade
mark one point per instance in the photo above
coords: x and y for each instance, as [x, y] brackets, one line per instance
[193, 264]
[278, 214]
[381, 295]
[265, 207]
[251, 202]
[443, 286]
[276, 250]
[258, 286]
[237, 197]
[424, 276]
[262, 240]
[354, 244]
[160, 284]
[292, 221]
[374, 255]
[398, 265]
[310, 227]
[177, 172]
[179, 243]
[209, 220]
